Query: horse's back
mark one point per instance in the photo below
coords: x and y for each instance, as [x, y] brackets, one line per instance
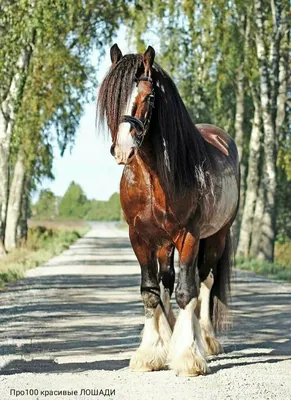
[225, 180]
[218, 138]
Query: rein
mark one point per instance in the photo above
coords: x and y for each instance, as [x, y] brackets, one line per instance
[137, 124]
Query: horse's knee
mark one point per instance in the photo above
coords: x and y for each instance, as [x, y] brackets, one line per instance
[150, 299]
[184, 295]
[186, 289]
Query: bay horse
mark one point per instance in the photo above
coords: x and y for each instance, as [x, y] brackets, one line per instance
[179, 190]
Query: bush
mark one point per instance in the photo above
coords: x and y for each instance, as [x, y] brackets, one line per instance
[42, 244]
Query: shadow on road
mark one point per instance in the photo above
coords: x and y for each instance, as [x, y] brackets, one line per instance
[80, 317]
[50, 366]
[67, 316]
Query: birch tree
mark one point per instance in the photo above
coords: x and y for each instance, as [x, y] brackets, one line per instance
[15, 56]
[268, 76]
[253, 180]
[226, 58]
[38, 38]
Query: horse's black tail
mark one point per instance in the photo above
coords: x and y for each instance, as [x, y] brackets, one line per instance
[220, 292]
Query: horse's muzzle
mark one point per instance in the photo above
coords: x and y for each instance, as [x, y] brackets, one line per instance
[122, 157]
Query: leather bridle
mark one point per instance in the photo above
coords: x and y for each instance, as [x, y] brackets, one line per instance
[140, 127]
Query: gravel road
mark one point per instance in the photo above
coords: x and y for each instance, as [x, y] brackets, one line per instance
[73, 324]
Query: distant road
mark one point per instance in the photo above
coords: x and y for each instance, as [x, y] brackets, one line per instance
[73, 324]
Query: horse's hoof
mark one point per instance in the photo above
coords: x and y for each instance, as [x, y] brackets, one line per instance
[189, 364]
[211, 344]
[148, 359]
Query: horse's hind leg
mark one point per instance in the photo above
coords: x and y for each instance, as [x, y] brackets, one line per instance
[210, 253]
[153, 350]
[167, 279]
[186, 350]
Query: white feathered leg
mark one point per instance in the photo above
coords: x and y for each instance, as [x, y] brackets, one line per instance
[153, 350]
[186, 354]
[211, 344]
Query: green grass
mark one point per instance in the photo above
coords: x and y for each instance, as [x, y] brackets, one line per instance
[280, 269]
[45, 240]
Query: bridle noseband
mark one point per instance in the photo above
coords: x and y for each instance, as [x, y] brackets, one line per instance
[140, 127]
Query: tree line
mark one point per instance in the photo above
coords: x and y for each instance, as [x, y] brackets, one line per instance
[46, 77]
[229, 59]
[75, 205]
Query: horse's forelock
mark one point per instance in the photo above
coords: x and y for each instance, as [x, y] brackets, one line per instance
[115, 91]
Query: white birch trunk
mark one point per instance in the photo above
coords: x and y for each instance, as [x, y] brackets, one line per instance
[266, 251]
[282, 80]
[239, 139]
[14, 203]
[252, 184]
[7, 120]
[257, 222]
[244, 28]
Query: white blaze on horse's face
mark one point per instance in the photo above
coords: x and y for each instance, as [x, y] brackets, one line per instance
[124, 148]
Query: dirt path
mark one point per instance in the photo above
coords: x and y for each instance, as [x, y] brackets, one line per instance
[74, 323]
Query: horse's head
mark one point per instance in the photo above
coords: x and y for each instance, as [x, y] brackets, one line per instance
[137, 115]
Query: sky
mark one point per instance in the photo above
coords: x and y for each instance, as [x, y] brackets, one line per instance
[89, 163]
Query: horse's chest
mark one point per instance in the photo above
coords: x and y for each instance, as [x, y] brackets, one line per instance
[145, 206]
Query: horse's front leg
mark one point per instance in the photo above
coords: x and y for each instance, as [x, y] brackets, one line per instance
[187, 355]
[167, 279]
[153, 350]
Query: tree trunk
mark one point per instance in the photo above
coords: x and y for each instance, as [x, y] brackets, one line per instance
[277, 21]
[257, 222]
[4, 168]
[266, 251]
[239, 139]
[14, 203]
[282, 80]
[22, 228]
[252, 183]
[7, 120]
[244, 28]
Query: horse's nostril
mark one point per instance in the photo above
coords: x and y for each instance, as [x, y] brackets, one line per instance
[112, 150]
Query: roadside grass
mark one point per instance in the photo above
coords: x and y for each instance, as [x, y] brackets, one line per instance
[280, 269]
[45, 240]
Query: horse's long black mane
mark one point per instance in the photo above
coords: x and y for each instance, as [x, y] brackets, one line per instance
[184, 160]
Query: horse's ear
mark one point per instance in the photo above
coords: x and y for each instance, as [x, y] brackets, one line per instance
[148, 60]
[115, 54]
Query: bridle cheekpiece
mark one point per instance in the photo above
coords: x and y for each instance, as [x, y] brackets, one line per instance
[140, 127]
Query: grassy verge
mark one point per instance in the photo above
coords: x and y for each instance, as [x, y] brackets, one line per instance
[45, 240]
[280, 269]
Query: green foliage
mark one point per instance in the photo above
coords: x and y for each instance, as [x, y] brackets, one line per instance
[272, 270]
[42, 244]
[46, 206]
[59, 37]
[201, 47]
[283, 253]
[74, 204]
[105, 210]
